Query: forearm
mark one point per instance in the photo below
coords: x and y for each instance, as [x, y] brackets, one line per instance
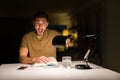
[26, 60]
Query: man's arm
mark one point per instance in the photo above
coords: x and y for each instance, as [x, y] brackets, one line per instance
[23, 58]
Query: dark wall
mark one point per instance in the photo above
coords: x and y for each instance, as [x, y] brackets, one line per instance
[110, 30]
[11, 32]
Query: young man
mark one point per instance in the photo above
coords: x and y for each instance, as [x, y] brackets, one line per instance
[36, 46]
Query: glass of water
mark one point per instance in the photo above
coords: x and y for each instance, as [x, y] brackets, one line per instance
[66, 61]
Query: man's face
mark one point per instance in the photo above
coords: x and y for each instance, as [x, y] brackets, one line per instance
[40, 25]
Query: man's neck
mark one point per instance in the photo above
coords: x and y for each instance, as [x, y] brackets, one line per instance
[39, 36]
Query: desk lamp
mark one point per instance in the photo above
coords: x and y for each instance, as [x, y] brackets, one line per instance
[84, 66]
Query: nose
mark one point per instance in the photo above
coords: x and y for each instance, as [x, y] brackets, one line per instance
[40, 25]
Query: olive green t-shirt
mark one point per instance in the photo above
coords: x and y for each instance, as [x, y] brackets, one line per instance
[40, 46]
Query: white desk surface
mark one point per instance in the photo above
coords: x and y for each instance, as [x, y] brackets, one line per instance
[10, 72]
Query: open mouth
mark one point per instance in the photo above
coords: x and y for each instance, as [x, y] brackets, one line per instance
[40, 31]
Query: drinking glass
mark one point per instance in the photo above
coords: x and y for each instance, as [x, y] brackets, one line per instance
[66, 61]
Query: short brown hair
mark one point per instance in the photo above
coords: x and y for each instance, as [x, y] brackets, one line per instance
[41, 14]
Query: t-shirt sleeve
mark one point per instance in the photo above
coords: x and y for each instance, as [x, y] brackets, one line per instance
[24, 42]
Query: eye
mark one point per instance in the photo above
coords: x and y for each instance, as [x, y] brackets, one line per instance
[36, 23]
[44, 23]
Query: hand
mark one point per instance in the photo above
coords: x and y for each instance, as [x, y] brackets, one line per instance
[41, 59]
[69, 43]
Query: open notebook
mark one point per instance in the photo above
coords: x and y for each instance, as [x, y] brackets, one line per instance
[52, 62]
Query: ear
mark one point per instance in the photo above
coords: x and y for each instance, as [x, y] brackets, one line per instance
[47, 24]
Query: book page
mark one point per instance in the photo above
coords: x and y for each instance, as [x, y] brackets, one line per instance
[52, 62]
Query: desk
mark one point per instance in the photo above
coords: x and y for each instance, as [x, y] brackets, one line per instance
[10, 72]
